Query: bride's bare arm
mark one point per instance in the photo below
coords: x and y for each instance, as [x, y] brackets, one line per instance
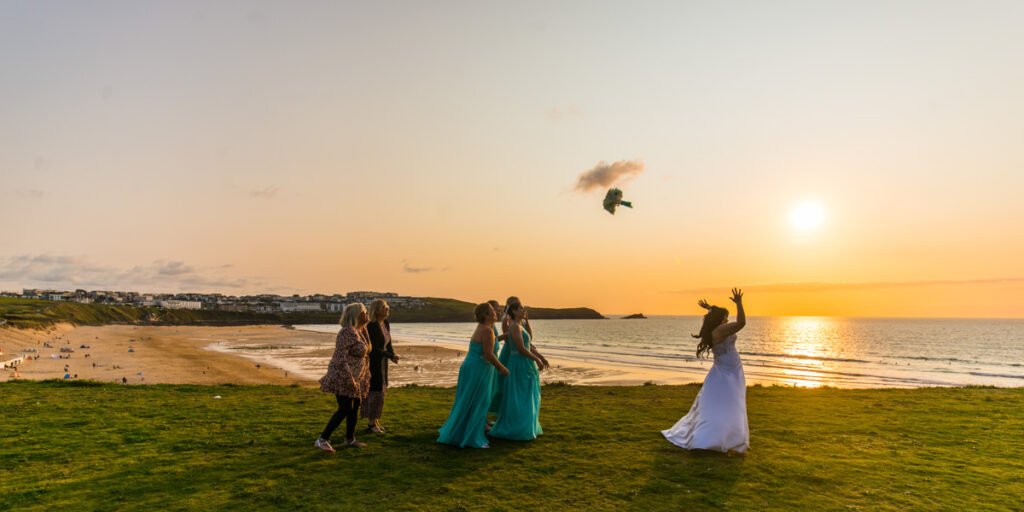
[724, 331]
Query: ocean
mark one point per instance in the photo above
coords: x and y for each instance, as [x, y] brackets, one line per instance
[792, 351]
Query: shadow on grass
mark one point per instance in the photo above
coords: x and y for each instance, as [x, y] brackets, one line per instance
[689, 480]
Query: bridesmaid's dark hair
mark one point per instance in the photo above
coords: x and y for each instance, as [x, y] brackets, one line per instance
[512, 307]
[712, 319]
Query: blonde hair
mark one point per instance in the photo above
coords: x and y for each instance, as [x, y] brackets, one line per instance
[350, 317]
[376, 307]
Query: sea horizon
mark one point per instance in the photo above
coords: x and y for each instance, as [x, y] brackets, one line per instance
[801, 351]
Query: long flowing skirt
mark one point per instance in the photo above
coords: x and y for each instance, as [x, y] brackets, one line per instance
[473, 394]
[499, 380]
[718, 417]
[519, 408]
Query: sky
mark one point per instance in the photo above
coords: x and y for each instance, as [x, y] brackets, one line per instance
[434, 149]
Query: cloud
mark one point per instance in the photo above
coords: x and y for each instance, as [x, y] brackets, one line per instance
[31, 193]
[876, 285]
[556, 114]
[604, 175]
[66, 272]
[173, 268]
[265, 192]
[415, 270]
[410, 269]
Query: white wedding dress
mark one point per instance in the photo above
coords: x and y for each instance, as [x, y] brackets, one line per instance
[718, 418]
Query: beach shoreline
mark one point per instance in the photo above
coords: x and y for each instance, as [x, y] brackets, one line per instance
[249, 355]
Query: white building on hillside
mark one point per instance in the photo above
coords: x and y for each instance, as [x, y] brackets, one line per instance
[293, 307]
[181, 304]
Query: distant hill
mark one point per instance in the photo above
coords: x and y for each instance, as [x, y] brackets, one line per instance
[451, 310]
[30, 313]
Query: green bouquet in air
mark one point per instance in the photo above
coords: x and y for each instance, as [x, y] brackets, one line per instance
[613, 199]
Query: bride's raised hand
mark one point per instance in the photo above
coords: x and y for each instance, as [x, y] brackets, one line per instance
[737, 295]
[704, 304]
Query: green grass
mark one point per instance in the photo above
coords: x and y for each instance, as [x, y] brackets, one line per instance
[36, 314]
[106, 447]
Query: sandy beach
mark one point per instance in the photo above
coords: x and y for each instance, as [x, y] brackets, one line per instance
[245, 355]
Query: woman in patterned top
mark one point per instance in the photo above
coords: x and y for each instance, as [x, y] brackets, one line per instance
[348, 376]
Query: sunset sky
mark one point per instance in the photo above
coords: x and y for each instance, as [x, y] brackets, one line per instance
[433, 148]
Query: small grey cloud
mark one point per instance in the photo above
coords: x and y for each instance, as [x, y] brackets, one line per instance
[265, 192]
[173, 268]
[415, 270]
[557, 114]
[876, 285]
[604, 175]
[30, 193]
[66, 272]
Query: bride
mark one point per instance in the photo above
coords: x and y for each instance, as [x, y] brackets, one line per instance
[718, 418]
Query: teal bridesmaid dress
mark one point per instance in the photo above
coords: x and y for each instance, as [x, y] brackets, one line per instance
[473, 395]
[502, 356]
[519, 410]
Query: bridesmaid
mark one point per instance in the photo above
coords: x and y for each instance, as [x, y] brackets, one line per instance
[505, 351]
[379, 332]
[468, 417]
[526, 324]
[493, 409]
[348, 376]
[519, 411]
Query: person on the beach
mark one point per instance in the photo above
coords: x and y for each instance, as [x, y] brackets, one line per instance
[468, 417]
[519, 407]
[718, 417]
[348, 376]
[381, 351]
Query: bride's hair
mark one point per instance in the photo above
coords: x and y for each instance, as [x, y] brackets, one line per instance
[712, 319]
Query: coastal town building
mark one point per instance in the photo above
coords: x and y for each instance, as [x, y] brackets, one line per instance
[262, 303]
[292, 307]
[181, 304]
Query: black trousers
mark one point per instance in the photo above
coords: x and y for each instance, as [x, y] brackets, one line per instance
[348, 409]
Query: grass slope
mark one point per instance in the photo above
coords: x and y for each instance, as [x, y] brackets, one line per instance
[106, 447]
[28, 313]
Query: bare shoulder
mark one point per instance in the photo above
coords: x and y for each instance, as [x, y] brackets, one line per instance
[721, 333]
[481, 333]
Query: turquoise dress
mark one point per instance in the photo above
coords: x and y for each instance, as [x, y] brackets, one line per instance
[473, 394]
[519, 410]
[497, 376]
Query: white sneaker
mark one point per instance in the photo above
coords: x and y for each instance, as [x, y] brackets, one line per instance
[323, 444]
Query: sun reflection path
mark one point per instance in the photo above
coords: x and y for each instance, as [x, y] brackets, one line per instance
[814, 340]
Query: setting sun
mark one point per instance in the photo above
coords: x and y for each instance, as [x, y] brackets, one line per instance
[807, 216]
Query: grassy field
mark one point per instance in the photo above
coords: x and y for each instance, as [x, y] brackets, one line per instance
[35, 314]
[82, 446]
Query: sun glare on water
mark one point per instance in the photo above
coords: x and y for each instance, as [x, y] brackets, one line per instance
[807, 216]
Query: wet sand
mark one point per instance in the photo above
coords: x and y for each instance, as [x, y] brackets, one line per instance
[244, 355]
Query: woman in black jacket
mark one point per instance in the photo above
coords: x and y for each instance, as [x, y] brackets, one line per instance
[381, 352]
